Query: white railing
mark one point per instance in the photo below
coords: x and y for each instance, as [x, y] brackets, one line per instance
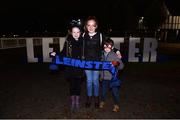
[7, 43]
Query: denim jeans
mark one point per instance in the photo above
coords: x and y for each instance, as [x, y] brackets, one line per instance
[115, 92]
[92, 82]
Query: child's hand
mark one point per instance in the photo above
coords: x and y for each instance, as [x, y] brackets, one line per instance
[115, 63]
[119, 54]
[53, 54]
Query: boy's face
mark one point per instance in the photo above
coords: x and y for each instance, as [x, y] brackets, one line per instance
[107, 48]
[76, 33]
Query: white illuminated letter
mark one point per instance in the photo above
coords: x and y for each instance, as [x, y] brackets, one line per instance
[61, 42]
[133, 50]
[30, 50]
[46, 49]
[150, 50]
[117, 42]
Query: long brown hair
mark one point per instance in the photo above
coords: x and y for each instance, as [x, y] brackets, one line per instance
[91, 18]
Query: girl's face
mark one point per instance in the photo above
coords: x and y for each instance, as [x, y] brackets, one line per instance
[91, 26]
[76, 33]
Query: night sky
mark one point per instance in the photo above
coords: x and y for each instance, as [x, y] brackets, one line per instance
[54, 16]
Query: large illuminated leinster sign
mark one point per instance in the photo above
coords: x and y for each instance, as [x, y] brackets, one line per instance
[137, 49]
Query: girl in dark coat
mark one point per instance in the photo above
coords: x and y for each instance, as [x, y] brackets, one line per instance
[73, 48]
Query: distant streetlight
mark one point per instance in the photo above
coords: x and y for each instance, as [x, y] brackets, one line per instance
[141, 19]
[141, 26]
[141, 22]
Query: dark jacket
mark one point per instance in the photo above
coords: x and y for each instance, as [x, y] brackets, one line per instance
[73, 48]
[92, 46]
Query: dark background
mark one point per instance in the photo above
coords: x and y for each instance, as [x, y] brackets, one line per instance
[32, 91]
[20, 17]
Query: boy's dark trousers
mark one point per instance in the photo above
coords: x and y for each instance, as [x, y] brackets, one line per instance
[115, 92]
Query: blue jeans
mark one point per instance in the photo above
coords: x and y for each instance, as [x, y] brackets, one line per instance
[92, 82]
[115, 92]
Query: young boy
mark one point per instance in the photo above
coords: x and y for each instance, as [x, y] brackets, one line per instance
[106, 76]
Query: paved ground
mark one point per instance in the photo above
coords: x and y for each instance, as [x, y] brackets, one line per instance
[149, 90]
